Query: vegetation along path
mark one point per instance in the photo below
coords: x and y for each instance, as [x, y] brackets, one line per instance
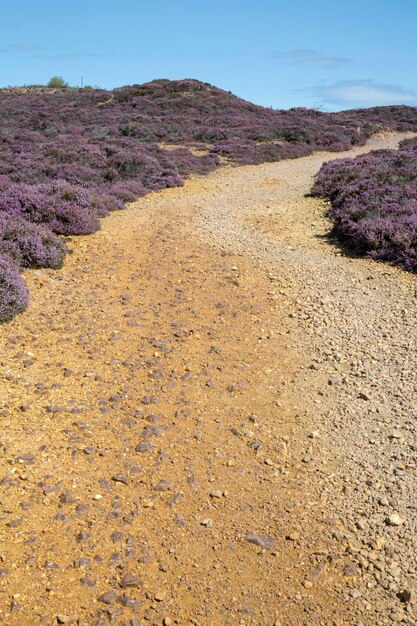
[208, 419]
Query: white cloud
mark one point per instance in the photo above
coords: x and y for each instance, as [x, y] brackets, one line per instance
[313, 58]
[364, 93]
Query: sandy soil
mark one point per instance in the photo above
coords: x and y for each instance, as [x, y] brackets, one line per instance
[208, 419]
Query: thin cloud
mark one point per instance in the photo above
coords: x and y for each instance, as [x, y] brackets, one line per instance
[312, 58]
[364, 93]
[69, 56]
[25, 47]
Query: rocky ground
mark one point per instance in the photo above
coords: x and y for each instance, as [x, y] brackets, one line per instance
[209, 418]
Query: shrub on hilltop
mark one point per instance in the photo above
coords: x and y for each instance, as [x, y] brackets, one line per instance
[57, 82]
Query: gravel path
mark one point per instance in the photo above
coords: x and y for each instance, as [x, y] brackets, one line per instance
[356, 323]
[208, 419]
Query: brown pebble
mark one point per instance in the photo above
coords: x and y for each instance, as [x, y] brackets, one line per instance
[160, 596]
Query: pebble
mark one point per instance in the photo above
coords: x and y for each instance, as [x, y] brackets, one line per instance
[160, 596]
[294, 535]
[263, 541]
[130, 580]
[207, 522]
[394, 520]
[396, 434]
[120, 478]
[108, 598]
[66, 619]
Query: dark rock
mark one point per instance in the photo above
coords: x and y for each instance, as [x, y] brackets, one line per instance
[262, 541]
[108, 598]
[82, 509]
[67, 498]
[130, 580]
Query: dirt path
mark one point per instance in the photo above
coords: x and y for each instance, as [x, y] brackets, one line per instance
[207, 419]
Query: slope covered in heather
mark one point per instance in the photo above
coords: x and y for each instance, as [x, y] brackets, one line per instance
[68, 157]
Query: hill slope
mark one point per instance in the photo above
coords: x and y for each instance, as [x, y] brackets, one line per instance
[68, 157]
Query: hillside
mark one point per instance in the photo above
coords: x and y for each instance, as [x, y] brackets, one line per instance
[68, 157]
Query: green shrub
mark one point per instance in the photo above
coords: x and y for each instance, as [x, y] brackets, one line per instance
[57, 82]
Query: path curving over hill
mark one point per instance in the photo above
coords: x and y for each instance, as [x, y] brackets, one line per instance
[207, 419]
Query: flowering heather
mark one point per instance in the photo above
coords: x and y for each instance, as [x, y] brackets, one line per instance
[68, 157]
[374, 203]
[28, 244]
[14, 295]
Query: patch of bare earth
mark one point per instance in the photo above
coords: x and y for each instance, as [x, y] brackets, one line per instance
[207, 422]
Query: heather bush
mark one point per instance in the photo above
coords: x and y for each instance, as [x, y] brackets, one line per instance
[28, 244]
[66, 209]
[253, 153]
[374, 203]
[14, 295]
[188, 163]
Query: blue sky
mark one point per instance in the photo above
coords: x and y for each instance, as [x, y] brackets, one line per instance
[328, 54]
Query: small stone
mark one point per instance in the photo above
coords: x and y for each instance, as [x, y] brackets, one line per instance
[208, 523]
[144, 446]
[160, 596]
[408, 596]
[82, 536]
[67, 498]
[396, 434]
[129, 603]
[397, 617]
[350, 570]
[129, 580]
[294, 536]
[264, 542]
[14, 606]
[167, 621]
[65, 619]
[216, 493]
[82, 509]
[308, 584]
[164, 485]
[120, 478]
[394, 520]
[378, 543]
[108, 598]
